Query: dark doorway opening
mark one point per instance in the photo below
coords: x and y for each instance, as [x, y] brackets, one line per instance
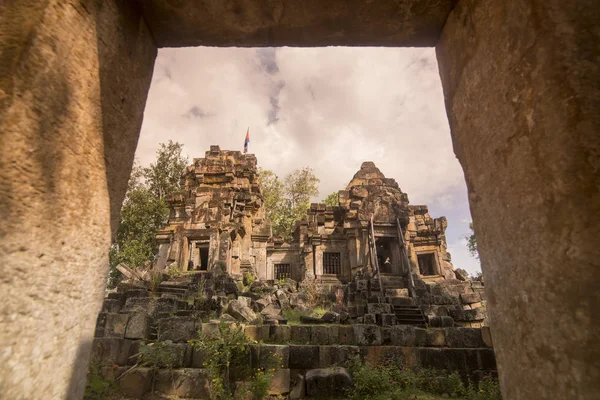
[203, 257]
[385, 256]
[426, 264]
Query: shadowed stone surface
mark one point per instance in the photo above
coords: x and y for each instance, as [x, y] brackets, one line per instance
[522, 94]
[73, 82]
[294, 23]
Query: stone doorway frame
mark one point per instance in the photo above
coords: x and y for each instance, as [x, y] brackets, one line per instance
[521, 86]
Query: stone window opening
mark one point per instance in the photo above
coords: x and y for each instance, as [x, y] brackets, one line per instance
[427, 264]
[283, 271]
[332, 263]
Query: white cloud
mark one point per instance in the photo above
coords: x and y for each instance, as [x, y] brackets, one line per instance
[329, 108]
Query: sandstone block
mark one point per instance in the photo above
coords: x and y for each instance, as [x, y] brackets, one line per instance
[146, 305]
[299, 390]
[111, 306]
[115, 325]
[138, 326]
[274, 356]
[211, 330]
[436, 337]
[136, 383]
[464, 337]
[362, 285]
[281, 333]
[486, 336]
[178, 329]
[324, 382]
[252, 332]
[470, 298]
[301, 333]
[241, 312]
[388, 319]
[303, 357]
[187, 383]
[319, 334]
[367, 335]
[403, 335]
[369, 319]
[345, 334]
[112, 351]
[379, 308]
[280, 383]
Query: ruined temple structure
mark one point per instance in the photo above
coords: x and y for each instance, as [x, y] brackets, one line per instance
[219, 219]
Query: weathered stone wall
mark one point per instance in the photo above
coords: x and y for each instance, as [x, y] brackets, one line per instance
[292, 23]
[522, 93]
[73, 82]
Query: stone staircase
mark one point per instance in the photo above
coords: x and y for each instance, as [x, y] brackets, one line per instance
[410, 315]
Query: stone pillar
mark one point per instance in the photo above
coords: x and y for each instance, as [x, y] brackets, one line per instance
[74, 76]
[522, 91]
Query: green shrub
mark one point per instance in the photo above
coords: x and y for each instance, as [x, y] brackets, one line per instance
[98, 388]
[225, 355]
[159, 355]
[487, 389]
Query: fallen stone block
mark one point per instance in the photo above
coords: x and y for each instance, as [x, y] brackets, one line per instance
[280, 382]
[324, 382]
[241, 312]
[299, 390]
[470, 298]
[331, 317]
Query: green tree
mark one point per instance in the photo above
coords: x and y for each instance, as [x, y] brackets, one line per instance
[145, 209]
[287, 201]
[472, 243]
[163, 176]
[332, 199]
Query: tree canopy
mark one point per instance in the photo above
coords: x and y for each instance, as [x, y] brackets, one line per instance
[288, 200]
[332, 199]
[472, 243]
[145, 209]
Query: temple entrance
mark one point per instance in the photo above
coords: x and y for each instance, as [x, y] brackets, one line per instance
[386, 256]
[203, 253]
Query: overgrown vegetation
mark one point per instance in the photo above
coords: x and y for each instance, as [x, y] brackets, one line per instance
[145, 209]
[227, 359]
[288, 200]
[98, 387]
[293, 315]
[390, 380]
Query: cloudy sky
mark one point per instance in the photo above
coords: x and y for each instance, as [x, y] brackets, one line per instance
[328, 108]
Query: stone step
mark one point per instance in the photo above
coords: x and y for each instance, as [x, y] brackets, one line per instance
[400, 301]
[172, 290]
[396, 292]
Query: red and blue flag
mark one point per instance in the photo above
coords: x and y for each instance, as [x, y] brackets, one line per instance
[247, 140]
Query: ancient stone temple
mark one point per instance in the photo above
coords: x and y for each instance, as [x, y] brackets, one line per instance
[220, 219]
